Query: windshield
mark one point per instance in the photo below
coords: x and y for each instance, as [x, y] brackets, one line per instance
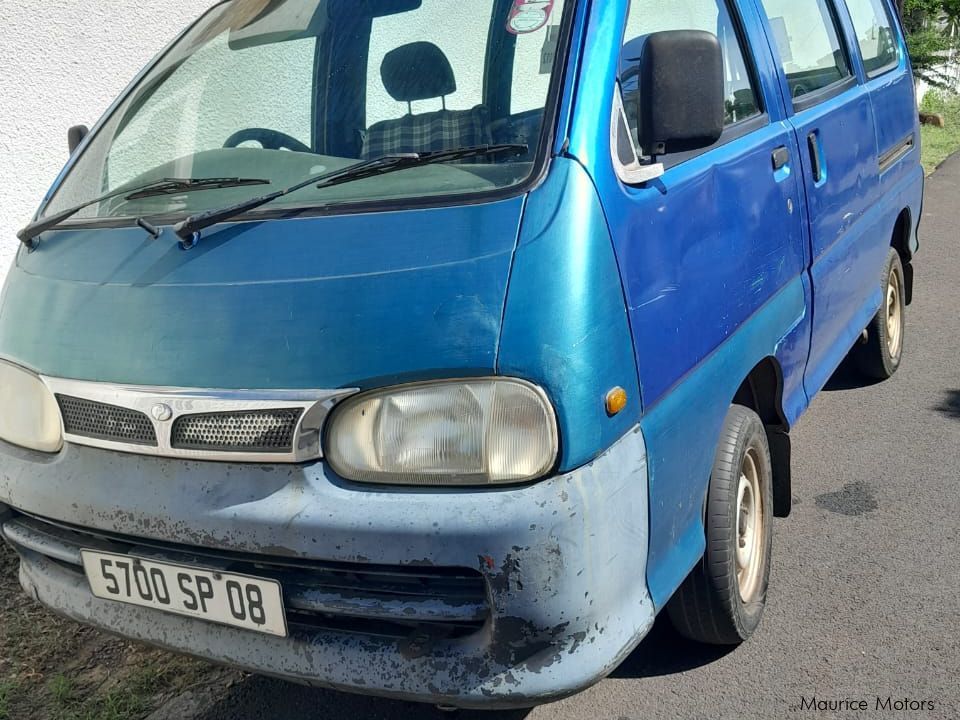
[279, 90]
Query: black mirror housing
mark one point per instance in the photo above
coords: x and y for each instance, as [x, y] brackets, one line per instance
[76, 135]
[681, 98]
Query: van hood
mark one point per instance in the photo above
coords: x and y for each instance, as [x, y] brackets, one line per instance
[306, 303]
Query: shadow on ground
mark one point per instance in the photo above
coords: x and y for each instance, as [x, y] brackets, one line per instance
[666, 652]
[849, 377]
[260, 698]
[663, 652]
[950, 405]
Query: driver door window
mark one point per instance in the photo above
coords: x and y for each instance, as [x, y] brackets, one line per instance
[713, 16]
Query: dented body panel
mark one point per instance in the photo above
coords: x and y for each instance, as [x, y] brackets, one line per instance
[563, 561]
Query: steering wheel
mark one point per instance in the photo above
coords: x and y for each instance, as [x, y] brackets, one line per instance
[268, 139]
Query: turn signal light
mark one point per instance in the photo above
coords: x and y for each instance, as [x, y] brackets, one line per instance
[616, 401]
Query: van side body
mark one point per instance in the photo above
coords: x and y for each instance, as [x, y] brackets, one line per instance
[732, 278]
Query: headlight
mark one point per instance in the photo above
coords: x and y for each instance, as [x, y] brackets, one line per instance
[29, 415]
[472, 432]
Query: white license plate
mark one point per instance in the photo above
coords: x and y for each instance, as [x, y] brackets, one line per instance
[224, 598]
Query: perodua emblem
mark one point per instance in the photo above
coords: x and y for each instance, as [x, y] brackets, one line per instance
[161, 412]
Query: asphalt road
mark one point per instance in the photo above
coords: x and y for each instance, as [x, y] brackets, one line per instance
[865, 588]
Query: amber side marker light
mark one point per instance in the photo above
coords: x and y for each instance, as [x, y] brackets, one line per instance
[616, 401]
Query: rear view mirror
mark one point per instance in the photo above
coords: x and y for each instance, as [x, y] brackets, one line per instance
[371, 8]
[276, 21]
[382, 8]
[681, 98]
[75, 136]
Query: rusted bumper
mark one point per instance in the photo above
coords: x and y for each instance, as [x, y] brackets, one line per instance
[561, 564]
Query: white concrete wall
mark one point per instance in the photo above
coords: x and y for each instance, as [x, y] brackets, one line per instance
[951, 73]
[62, 62]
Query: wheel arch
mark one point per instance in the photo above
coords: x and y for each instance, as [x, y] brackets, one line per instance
[762, 392]
[900, 241]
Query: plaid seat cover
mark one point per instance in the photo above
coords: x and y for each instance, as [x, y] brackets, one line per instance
[442, 130]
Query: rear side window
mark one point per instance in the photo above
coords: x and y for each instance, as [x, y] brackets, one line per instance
[809, 45]
[875, 35]
[651, 16]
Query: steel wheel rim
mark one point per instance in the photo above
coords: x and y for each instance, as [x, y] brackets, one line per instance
[750, 528]
[894, 315]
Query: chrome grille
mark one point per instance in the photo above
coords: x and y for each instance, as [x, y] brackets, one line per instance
[246, 426]
[87, 418]
[266, 431]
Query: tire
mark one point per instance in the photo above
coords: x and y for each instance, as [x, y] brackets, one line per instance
[880, 356]
[722, 600]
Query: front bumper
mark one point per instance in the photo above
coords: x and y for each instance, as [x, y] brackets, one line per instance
[562, 563]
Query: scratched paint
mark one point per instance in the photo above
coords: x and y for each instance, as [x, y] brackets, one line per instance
[564, 566]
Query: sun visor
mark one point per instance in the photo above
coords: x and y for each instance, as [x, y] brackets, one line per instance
[264, 22]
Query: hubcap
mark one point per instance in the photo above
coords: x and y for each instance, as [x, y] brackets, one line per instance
[894, 315]
[750, 528]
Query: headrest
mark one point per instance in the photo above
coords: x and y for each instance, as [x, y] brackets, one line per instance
[418, 71]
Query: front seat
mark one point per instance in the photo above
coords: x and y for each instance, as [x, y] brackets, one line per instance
[420, 71]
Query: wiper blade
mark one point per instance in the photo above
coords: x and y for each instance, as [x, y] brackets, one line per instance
[164, 186]
[409, 160]
[406, 161]
[188, 229]
[175, 187]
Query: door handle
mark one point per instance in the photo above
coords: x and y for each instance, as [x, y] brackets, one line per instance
[781, 158]
[816, 160]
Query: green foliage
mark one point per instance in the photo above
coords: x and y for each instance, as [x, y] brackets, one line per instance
[917, 11]
[932, 34]
[940, 143]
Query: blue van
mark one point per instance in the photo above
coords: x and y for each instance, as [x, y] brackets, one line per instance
[430, 349]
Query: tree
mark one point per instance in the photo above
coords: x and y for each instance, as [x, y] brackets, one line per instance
[932, 35]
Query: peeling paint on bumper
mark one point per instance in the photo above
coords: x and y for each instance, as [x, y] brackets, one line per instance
[563, 560]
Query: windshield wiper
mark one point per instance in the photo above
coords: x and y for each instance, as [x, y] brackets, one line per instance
[175, 187]
[189, 228]
[165, 186]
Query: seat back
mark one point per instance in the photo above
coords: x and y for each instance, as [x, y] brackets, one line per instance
[420, 71]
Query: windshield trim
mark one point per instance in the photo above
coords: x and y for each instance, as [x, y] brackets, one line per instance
[538, 173]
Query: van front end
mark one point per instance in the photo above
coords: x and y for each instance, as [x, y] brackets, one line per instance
[450, 588]
[378, 432]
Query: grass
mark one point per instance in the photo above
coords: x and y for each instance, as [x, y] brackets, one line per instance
[53, 669]
[120, 704]
[61, 688]
[940, 143]
[130, 699]
[7, 689]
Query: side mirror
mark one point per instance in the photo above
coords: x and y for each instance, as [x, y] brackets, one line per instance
[75, 136]
[681, 98]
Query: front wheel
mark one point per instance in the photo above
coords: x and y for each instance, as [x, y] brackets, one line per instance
[879, 357]
[722, 601]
